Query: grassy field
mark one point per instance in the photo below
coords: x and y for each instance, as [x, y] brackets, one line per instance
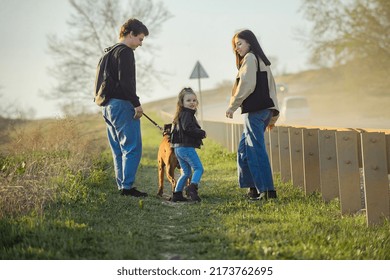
[63, 204]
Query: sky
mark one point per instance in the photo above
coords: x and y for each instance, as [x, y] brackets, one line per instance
[199, 30]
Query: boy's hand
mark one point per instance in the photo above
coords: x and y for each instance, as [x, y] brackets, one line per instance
[138, 112]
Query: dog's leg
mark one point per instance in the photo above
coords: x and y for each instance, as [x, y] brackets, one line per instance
[170, 170]
[161, 167]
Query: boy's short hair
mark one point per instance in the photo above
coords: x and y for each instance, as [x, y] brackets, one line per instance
[135, 26]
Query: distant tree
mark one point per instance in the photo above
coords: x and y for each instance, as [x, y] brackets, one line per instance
[344, 31]
[354, 35]
[93, 26]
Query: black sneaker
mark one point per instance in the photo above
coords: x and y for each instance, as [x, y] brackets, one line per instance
[133, 192]
[267, 195]
[271, 194]
[253, 194]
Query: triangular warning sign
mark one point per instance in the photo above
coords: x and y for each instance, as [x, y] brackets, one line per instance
[198, 72]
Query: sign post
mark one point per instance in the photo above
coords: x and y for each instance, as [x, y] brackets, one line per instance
[199, 73]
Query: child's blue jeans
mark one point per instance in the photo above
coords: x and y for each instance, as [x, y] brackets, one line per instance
[188, 159]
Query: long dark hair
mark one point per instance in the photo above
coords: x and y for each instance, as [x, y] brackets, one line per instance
[255, 47]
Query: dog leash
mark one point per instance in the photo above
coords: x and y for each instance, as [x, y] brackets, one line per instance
[153, 122]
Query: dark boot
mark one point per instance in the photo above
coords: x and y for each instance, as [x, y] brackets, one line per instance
[178, 196]
[253, 194]
[186, 192]
[193, 192]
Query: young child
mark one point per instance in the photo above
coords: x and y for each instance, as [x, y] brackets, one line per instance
[186, 136]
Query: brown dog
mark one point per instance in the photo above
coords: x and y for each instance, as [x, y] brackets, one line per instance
[166, 161]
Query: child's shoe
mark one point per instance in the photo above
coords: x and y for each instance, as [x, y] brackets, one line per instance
[193, 192]
[178, 196]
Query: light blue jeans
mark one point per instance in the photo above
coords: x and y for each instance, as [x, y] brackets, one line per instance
[254, 169]
[188, 158]
[124, 136]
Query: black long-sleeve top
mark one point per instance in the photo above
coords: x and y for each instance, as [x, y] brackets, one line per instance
[122, 67]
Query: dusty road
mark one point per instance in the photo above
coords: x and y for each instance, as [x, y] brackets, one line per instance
[327, 110]
[216, 112]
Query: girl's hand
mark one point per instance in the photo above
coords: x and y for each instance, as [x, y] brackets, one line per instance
[270, 127]
[229, 113]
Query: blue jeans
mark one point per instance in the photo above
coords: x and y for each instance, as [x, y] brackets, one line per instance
[188, 158]
[254, 169]
[124, 136]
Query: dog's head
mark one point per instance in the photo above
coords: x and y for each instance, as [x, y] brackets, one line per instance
[167, 129]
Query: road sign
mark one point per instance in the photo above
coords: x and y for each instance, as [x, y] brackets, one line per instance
[198, 72]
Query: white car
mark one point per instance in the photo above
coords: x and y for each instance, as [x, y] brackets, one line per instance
[294, 108]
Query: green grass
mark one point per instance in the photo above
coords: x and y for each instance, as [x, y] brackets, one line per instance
[88, 219]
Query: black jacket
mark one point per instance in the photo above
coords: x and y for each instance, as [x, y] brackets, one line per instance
[187, 133]
[121, 66]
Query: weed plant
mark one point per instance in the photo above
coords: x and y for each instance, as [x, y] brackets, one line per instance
[84, 217]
